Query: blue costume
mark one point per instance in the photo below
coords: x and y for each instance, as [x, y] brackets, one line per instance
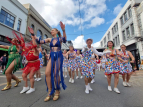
[56, 63]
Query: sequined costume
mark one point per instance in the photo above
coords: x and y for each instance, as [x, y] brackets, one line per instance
[72, 62]
[78, 60]
[112, 65]
[56, 57]
[34, 65]
[13, 56]
[65, 62]
[41, 60]
[87, 65]
[125, 67]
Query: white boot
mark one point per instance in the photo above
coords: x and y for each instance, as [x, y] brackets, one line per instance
[81, 77]
[117, 90]
[109, 88]
[36, 79]
[30, 91]
[124, 84]
[87, 89]
[24, 90]
[70, 80]
[39, 79]
[77, 77]
[128, 84]
[93, 80]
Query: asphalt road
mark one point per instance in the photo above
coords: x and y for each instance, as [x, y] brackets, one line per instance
[74, 95]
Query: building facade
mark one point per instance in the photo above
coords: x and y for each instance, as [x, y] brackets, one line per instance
[39, 25]
[127, 29]
[13, 17]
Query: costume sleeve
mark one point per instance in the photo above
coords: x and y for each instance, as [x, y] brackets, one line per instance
[98, 53]
[63, 39]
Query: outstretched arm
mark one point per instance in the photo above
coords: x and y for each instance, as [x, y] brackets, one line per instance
[98, 53]
[63, 29]
[132, 57]
[4, 46]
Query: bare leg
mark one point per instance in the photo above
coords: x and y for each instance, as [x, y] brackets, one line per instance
[128, 77]
[86, 81]
[77, 72]
[109, 80]
[25, 79]
[123, 76]
[116, 80]
[73, 74]
[31, 77]
[70, 73]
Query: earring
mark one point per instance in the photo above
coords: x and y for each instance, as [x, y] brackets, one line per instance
[57, 35]
[112, 48]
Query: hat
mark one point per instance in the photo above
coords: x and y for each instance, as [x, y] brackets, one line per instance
[89, 39]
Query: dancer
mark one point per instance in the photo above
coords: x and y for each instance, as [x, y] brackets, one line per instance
[55, 62]
[65, 64]
[112, 65]
[78, 59]
[13, 62]
[38, 73]
[87, 64]
[126, 68]
[72, 63]
[103, 63]
[33, 65]
[98, 63]
[4, 61]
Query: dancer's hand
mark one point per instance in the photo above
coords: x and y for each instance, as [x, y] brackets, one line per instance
[31, 30]
[62, 26]
[126, 61]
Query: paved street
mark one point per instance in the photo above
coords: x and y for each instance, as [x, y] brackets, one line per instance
[74, 95]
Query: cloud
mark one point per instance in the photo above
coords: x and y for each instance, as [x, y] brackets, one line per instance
[117, 9]
[54, 11]
[79, 42]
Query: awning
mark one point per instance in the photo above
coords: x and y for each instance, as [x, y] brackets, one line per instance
[2, 49]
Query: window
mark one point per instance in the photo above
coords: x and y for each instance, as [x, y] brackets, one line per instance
[109, 36]
[7, 19]
[130, 12]
[122, 21]
[112, 30]
[118, 39]
[19, 24]
[39, 33]
[124, 37]
[128, 32]
[116, 42]
[117, 26]
[32, 26]
[125, 16]
[101, 44]
[132, 29]
[45, 36]
[105, 40]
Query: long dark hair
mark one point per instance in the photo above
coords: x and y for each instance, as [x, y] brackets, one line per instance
[59, 33]
[110, 41]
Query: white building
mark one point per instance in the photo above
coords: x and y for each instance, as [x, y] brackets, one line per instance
[127, 29]
[13, 16]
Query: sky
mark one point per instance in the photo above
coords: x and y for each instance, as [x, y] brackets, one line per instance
[96, 17]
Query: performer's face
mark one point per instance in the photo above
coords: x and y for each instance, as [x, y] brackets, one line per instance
[123, 48]
[78, 52]
[89, 42]
[71, 48]
[110, 44]
[65, 52]
[54, 32]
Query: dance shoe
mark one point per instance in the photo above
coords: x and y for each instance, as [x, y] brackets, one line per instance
[17, 82]
[56, 97]
[128, 84]
[66, 76]
[7, 87]
[48, 97]
[105, 76]
[70, 80]
[87, 89]
[77, 77]
[30, 91]
[24, 90]
[81, 77]
[124, 84]
[92, 81]
[117, 90]
[109, 88]
[36, 79]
